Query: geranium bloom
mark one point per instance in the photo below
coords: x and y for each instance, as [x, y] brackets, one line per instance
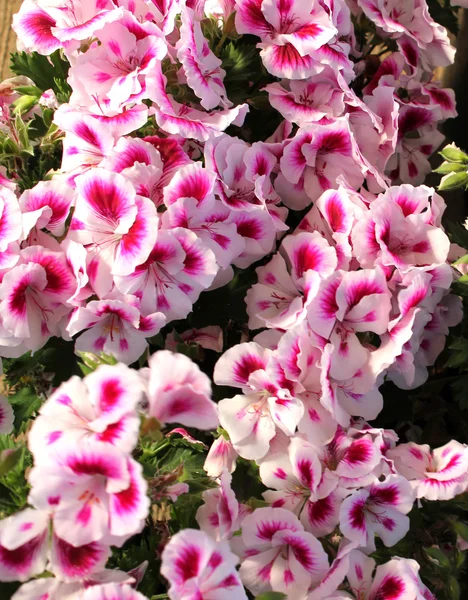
[220, 515]
[308, 101]
[23, 545]
[176, 118]
[301, 487]
[280, 298]
[278, 554]
[251, 419]
[221, 455]
[321, 153]
[102, 407]
[117, 227]
[110, 591]
[47, 205]
[378, 509]
[412, 25]
[440, 474]
[34, 294]
[178, 268]
[10, 218]
[54, 588]
[45, 25]
[114, 327]
[116, 70]
[178, 392]
[290, 34]
[87, 141]
[140, 162]
[395, 580]
[391, 233]
[200, 65]
[346, 304]
[197, 566]
[95, 492]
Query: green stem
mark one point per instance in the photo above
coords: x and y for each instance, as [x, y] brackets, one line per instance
[152, 453]
[159, 597]
[221, 42]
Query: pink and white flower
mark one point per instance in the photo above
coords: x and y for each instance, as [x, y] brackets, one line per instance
[95, 492]
[379, 509]
[34, 295]
[391, 234]
[440, 474]
[197, 566]
[269, 401]
[220, 515]
[178, 392]
[114, 327]
[117, 227]
[202, 68]
[221, 456]
[290, 34]
[288, 283]
[181, 119]
[179, 267]
[23, 545]
[309, 100]
[321, 153]
[46, 25]
[10, 218]
[47, 205]
[115, 71]
[397, 579]
[100, 407]
[278, 554]
[347, 304]
[110, 591]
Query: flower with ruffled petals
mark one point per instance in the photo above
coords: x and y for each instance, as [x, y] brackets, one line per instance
[197, 566]
[102, 407]
[94, 492]
[278, 554]
[437, 475]
[178, 392]
[379, 509]
[117, 227]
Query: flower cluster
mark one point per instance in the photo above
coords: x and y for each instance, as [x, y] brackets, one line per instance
[87, 492]
[166, 190]
[132, 229]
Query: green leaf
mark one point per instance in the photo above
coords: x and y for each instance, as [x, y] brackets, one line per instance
[453, 182]
[90, 362]
[454, 589]
[459, 353]
[23, 135]
[9, 459]
[24, 104]
[438, 555]
[25, 403]
[461, 529]
[457, 233]
[29, 90]
[448, 167]
[454, 154]
[463, 260]
[271, 596]
[47, 72]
